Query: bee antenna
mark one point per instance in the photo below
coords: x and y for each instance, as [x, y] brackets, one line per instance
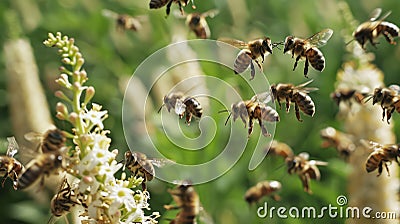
[350, 41]
[367, 98]
[228, 118]
[161, 108]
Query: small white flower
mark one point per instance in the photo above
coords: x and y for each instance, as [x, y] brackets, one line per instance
[95, 116]
[121, 196]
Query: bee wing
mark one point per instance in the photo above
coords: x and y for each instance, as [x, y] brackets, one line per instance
[233, 42]
[178, 14]
[180, 107]
[318, 163]
[375, 14]
[12, 147]
[210, 13]
[395, 88]
[370, 144]
[264, 97]
[159, 162]
[204, 216]
[109, 14]
[301, 86]
[304, 155]
[321, 38]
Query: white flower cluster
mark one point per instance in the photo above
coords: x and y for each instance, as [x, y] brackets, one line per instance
[105, 198]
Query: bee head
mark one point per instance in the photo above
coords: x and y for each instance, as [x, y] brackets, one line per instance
[289, 44]
[195, 19]
[267, 45]
[335, 96]
[273, 91]
[377, 96]
[360, 37]
[291, 164]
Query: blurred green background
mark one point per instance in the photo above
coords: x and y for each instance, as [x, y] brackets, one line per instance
[112, 56]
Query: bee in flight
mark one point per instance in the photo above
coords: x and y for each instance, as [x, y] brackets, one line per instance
[183, 105]
[388, 98]
[381, 156]
[62, 202]
[280, 149]
[49, 161]
[370, 30]
[188, 201]
[123, 21]
[305, 168]
[254, 109]
[307, 49]
[141, 166]
[348, 96]
[255, 50]
[156, 4]
[261, 189]
[11, 167]
[296, 94]
[197, 22]
[341, 141]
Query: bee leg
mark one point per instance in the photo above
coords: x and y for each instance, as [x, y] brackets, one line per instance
[168, 10]
[188, 118]
[180, 7]
[262, 56]
[305, 179]
[171, 207]
[252, 71]
[3, 180]
[306, 68]
[387, 169]
[295, 63]
[380, 169]
[296, 107]
[265, 131]
[250, 127]
[383, 114]
[287, 105]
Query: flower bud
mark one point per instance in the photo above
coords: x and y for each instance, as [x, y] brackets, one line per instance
[90, 91]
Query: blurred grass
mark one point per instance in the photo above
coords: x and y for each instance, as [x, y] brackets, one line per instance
[112, 56]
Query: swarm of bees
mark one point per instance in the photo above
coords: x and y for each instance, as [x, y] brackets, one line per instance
[141, 166]
[374, 27]
[297, 94]
[382, 155]
[48, 162]
[305, 168]
[183, 105]
[308, 50]
[10, 166]
[344, 143]
[262, 189]
[254, 109]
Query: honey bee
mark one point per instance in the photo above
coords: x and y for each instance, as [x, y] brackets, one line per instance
[255, 50]
[296, 94]
[348, 95]
[254, 109]
[123, 21]
[308, 49]
[141, 166]
[51, 159]
[63, 201]
[280, 149]
[381, 156]
[370, 30]
[188, 201]
[183, 106]
[198, 24]
[341, 141]
[261, 189]
[156, 4]
[306, 169]
[389, 99]
[11, 167]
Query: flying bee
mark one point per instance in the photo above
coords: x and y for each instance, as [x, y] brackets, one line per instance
[141, 166]
[307, 49]
[296, 94]
[341, 141]
[381, 156]
[188, 201]
[11, 167]
[183, 105]
[305, 168]
[261, 189]
[62, 202]
[123, 21]
[347, 96]
[255, 50]
[197, 22]
[389, 99]
[370, 30]
[51, 159]
[280, 149]
[156, 4]
[254, 109]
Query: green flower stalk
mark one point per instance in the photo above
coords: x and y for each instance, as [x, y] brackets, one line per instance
[104, 198]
